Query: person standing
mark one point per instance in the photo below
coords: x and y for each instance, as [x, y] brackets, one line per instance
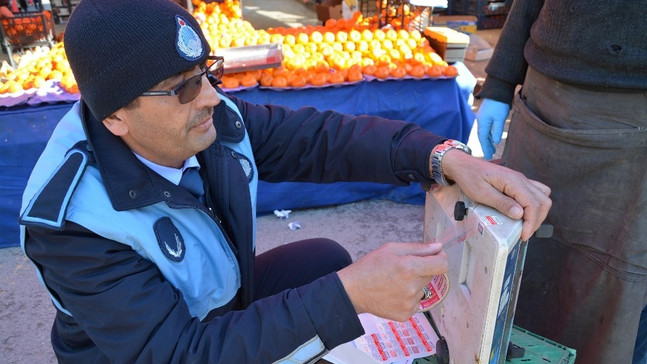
[23, 5]
[578, 124]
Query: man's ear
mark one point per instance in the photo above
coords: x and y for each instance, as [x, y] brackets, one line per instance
[116, 123]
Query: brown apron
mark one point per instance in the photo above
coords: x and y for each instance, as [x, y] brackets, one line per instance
[586, 286]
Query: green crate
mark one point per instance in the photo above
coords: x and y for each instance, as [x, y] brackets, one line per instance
[539, 350]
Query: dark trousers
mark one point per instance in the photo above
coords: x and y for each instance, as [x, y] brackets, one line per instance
[295, 264]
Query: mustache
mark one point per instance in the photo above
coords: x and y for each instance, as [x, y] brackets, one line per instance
[203, 114]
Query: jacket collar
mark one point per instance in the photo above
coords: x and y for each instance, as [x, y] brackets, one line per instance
[128, 182]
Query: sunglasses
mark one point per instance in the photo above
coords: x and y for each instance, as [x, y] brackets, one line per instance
[189, 89]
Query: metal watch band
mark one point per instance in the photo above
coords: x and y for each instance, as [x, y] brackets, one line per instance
[437, 158]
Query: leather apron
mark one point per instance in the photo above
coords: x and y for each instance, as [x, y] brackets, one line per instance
[586, 286]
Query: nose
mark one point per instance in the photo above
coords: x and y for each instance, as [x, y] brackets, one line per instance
[208, 97]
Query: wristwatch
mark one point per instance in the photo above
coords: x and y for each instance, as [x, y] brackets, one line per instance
[437, 155]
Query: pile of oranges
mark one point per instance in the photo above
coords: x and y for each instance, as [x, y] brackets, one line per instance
[340, 51]
[33, 72]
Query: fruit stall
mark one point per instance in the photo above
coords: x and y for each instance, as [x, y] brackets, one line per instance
[350, 65]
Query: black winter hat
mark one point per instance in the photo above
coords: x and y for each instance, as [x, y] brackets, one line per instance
[118, 49]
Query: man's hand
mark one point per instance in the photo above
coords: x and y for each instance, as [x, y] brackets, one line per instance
[490, 121]
[388, 281]
[502, 188]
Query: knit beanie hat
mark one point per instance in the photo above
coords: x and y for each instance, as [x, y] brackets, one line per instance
[118, 49]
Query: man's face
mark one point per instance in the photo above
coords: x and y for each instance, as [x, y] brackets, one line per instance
[163, 130]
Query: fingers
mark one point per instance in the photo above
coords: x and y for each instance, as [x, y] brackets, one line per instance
[484, 125]
[420, 260]
[416, 249]
[527, 199]
[388, 281]
[506, 190]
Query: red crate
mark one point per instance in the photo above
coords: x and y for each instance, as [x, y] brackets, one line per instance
[27, 30]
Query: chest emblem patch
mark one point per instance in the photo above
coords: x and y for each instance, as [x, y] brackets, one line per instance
[169, 239]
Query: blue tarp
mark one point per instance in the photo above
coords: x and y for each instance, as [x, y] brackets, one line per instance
[437, 105]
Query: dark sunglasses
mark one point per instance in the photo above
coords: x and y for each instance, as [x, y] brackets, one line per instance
[189, 89]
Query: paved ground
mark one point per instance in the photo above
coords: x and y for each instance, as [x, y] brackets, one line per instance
[26, 313]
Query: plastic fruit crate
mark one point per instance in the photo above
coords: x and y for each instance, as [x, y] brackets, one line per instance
[490, 14]
[538, 350]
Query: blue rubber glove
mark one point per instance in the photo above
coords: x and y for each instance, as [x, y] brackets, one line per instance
[490, 122]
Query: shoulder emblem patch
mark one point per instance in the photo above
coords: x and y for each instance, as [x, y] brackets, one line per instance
[48, 206]
[169, 239]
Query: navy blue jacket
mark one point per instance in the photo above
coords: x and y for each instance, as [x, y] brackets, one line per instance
[122, 309]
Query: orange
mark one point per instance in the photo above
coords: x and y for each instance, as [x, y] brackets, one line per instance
[298, 81]
[55, 75]
[341, 36]
[415, 34]
[379, 34]
[451, 71]
[369, 70]
[316, 37]
[336, 77]
[280, 71]
[266, 80]
[303, 38]
[290, 39]
[362, 46]
[319, 79]
[279, 82]
[322, 67]
[382, 72]
[417, 71]
[354, 35]
[248, 81]
[329, 37]
[391, 34]
[350, 46]
[330, 23]
[355, 75]
[367, 35]
[435, 71]
[230, 82]
[398, 72]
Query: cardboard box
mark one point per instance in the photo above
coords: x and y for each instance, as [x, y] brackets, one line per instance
[448, 43]
[329, 9]
[461, 23]
[479, 49]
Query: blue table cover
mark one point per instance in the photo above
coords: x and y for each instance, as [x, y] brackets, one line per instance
[439, 105]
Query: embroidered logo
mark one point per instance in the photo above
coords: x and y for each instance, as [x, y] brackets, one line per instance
[169, 239]
[188, 43]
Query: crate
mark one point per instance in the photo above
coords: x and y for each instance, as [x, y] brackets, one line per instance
[62, 9]
[328, 9]
[539, 349]
[27, 30]
[450, 44]
[489, 14]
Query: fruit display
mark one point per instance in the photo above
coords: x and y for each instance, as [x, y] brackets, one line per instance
[338, 52]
